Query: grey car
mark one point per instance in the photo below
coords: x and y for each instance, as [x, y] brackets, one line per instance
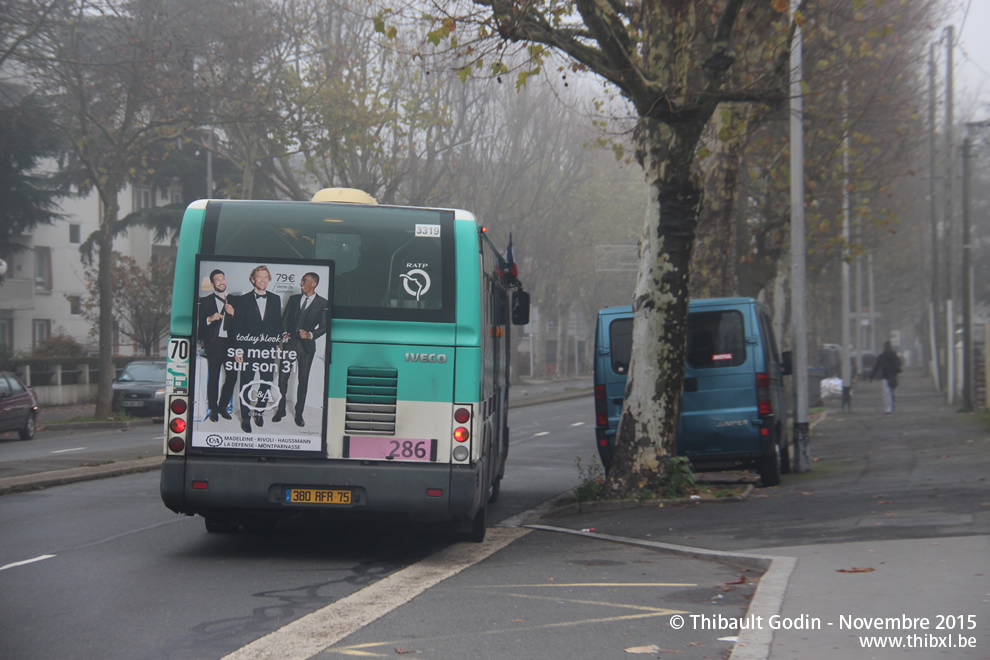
[140, 389]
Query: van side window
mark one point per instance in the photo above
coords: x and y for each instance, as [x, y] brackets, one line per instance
[620, 342]
[769, 341]
[716, 339]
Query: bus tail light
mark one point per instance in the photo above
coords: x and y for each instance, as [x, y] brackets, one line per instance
[763, 404]
[177, 424]
[463, 420]
[601, 407]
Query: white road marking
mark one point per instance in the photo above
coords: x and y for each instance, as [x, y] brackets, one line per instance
[63, 451]
[537, 435]
[26, 561]
[578, 424]
[311, 634]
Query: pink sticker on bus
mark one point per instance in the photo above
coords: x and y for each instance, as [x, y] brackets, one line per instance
[390, 449]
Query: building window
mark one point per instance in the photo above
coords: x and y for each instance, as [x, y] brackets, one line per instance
[43, 268]
[75, 305]
[75, 233]
[142, 198]
[42, 330]
[7, 334]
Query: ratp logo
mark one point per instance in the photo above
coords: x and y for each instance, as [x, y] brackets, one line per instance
[416, 282]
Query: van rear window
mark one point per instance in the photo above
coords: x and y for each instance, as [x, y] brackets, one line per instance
[716, 339]
[620, 342]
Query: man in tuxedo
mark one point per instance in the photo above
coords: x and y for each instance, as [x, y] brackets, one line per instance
[303, 321]
[215, 331]
[257, 325]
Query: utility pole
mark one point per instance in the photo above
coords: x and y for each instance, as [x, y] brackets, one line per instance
[846, 367]
[933, 302]
[949, 162]
[967, 365]
[799, 313]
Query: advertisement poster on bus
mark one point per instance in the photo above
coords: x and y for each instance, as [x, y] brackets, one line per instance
[261, 354]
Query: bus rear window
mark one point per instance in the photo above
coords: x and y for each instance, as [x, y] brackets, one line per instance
[390, 263]
[716, 339]
[620, 344]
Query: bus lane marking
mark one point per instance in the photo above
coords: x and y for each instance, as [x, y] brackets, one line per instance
[644, 612]
[26, 562]
[313, 633]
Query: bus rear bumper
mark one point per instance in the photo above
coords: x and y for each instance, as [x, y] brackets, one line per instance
[221, 486]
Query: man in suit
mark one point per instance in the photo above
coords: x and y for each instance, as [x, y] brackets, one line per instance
[303, 321]
[258, 326]
[215, 331]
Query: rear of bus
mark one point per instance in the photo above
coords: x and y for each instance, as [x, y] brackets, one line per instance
[402, 419]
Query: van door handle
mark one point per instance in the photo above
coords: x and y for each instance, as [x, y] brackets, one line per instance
[691, 384]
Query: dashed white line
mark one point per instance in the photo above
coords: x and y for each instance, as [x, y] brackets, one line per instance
[26, 561]
[578, 424]
[537, 435]
[63, 451]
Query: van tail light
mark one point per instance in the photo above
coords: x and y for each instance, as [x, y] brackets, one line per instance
[601, 407]
[763, 405]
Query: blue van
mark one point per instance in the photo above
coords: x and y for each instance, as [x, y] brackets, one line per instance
[733, 409]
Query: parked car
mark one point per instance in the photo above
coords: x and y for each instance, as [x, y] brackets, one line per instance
[140, 389]
[733, 409]
[18, 406]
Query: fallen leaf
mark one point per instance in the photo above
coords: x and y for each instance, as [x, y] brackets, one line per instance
[815, 460]
[877, 497]
[885, 502]
[402, 650]
[741, 580]
[855, 569]
[806, 493]
[643, 649]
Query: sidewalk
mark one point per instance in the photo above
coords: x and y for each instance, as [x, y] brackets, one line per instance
[893, 520]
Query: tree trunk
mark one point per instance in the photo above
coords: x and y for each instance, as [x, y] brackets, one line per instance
[647, 432]
[104, 392]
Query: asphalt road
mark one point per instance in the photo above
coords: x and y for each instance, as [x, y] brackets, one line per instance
[111, 573]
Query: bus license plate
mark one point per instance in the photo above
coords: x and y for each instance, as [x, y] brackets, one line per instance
[316, 496]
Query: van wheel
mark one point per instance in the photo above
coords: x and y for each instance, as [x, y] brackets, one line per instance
[770, 465]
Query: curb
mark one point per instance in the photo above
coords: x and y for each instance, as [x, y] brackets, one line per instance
[767, 601]
[523, 402]
[603, 506]
[83, 426]
[41, 480]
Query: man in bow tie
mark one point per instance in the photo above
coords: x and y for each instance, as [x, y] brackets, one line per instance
[216, 332]
[304, 321]
[257, 314]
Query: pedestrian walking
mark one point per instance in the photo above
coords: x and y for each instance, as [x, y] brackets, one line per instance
[888, 365]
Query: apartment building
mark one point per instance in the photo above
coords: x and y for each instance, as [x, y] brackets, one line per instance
[44, 289]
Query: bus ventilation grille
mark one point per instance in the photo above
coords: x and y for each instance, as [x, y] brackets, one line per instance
[371, 395]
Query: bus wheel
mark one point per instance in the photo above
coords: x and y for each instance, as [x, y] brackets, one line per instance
[478, 526]
[216, 525]
[496, 487]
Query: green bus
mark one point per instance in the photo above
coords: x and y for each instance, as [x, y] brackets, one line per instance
[338, 359]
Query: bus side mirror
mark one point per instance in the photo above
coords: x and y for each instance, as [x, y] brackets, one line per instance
[787, 366]
[520, 307]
